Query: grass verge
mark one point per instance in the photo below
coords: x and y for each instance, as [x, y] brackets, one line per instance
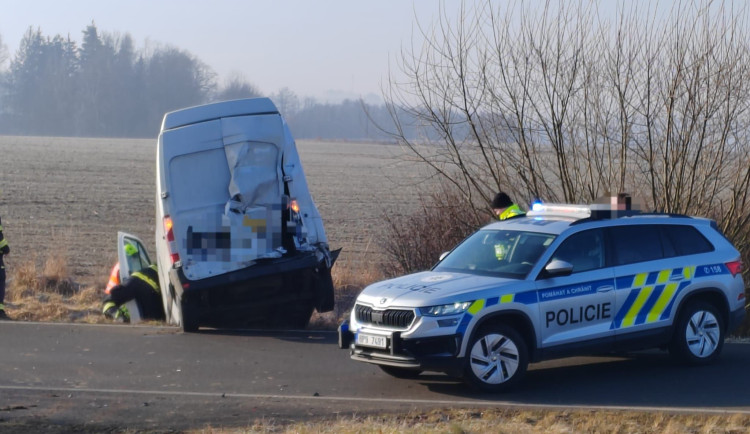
[511, 421]
[41, 289]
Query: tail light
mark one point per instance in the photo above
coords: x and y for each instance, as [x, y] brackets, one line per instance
[174, 256]
[294, 206]
[735, 267]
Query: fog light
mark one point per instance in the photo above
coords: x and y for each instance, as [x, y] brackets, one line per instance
[450, 322]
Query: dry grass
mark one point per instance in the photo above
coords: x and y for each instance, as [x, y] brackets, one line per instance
[511, 421]
[44, 290]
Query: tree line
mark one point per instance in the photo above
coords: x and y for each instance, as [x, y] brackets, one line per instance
[105, 87]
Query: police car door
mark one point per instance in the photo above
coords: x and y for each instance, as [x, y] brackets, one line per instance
[131, 260]
[580, 306]
[647, 283]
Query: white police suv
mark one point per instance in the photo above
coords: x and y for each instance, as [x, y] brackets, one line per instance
[563, 280]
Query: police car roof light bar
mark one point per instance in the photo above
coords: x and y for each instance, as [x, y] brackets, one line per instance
[620, 206]
[559, 210]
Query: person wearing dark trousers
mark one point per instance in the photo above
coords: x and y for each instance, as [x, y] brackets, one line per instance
[4, 250]
[143, 287]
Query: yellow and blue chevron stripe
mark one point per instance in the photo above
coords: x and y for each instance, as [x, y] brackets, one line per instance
[478, 305]
[651, 295]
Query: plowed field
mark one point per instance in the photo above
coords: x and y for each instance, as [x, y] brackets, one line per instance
[70, 196]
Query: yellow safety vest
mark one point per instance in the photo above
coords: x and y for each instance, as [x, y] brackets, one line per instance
[511, 211]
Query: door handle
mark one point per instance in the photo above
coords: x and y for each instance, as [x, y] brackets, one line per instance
[605, 288]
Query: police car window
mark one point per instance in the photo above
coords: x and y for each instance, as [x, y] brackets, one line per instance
[501, 253]
[584, 250]
[687, 240]
[636, 243]
[668, 248]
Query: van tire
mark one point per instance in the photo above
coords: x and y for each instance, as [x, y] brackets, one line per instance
[189, 323]
[324, 293]
[187, 316]
[299, 315]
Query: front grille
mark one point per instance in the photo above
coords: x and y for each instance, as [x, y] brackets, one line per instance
[395, 318]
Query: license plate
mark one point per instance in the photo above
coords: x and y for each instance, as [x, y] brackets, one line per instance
[375, 341]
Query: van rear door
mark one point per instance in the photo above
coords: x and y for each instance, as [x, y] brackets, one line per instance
[225, 192]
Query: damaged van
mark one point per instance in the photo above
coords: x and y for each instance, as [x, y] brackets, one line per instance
[239, 240]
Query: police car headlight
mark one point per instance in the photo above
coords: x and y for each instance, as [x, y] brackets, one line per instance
[446, 309]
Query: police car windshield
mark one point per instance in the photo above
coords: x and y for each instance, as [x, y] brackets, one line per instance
[501, 253]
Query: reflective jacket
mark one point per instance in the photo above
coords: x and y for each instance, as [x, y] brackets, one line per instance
[143, 287]
[511, 211]
[114, 277]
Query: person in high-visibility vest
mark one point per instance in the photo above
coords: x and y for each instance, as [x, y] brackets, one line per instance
[504, 208]
[114, 276]
[4, 250]
[143, 287]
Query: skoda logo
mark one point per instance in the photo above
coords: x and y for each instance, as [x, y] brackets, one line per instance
[437, 278]
[383, 300]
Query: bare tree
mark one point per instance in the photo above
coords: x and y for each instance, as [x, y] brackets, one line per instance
[287, 101]
[236, 87]
[3, 52]
[568, 104]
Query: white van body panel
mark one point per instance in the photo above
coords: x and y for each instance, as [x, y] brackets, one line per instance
[221, 170]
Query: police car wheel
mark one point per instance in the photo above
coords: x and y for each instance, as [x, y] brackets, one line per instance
[497, 359]
[699, 334]
[397, 372]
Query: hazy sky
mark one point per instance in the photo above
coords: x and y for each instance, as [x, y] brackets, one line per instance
[310, 46]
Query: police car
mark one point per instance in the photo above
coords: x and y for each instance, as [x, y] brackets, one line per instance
[562, 280]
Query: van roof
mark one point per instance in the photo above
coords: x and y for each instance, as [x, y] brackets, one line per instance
[239, 107]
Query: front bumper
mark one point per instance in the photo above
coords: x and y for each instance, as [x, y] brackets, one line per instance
[439, 354]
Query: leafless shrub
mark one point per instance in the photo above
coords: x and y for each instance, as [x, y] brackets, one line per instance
[567, 105]
[53, 278]
[44, 291]
[23, 280]
[414, 242]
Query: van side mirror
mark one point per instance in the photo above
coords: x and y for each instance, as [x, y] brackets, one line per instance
[557, 268]
[443, 255]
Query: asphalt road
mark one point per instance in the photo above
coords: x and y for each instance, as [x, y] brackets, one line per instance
[104, 376]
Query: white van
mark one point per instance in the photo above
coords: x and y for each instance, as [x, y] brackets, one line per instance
[239, 239]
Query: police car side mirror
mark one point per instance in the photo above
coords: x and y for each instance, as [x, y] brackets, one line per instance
[443, 255]
[558, 268]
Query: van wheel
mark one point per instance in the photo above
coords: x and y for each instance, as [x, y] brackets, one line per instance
[397, 372]
[497, 359]
[187, 316]
[299, 316]
[699, 334]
